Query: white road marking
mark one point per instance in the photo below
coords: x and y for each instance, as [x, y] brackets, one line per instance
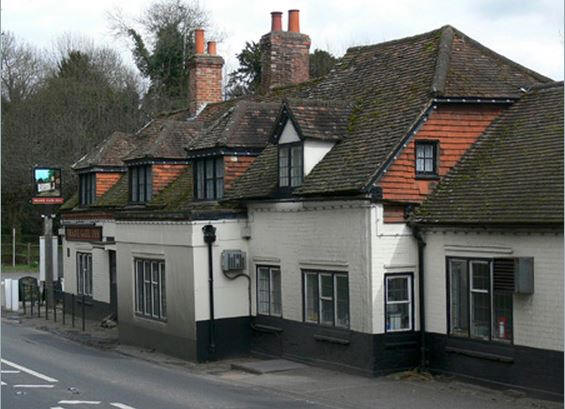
[29, 371]
[3, 383]
[34, 386]
[120, 405]
[56, 407]
[8, 371]
[79, 402]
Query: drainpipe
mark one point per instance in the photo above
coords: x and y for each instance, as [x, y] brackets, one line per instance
[421, 245]
[209, 238]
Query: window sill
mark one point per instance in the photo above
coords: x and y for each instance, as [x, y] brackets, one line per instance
[480, 355]
[331, 340]
[151, 319]
[427, 177]
[268, 329]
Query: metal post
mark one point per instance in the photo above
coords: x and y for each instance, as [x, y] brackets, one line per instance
[73, 310]
[38, 302]
[54, 307]
[83, 313]
[13, 247]
[28, 254]
[24, 298]
[48, 227]
[32, 300]
[64, 304]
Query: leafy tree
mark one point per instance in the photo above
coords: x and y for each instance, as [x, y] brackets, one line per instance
[161, 54]
[247, 78]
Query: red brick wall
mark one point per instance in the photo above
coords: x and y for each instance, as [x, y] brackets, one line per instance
[285, 59]
[393, 213]
[205, 81]
[456, 128]
[234, 167]
[165, 174]
[105, 180]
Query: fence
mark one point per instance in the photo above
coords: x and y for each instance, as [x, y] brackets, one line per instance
[25, 253]
[65, 307]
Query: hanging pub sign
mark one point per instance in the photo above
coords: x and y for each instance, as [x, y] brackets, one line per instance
[47, 186]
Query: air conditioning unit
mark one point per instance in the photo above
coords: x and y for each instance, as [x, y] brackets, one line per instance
[233, 260]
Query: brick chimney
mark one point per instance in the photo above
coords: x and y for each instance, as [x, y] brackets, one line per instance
[285, 55]
[204, 75]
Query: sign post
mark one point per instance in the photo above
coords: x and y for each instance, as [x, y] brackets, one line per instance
[48, 191]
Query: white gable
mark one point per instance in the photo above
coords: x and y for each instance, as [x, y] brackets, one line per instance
[314, 152]
[289, 134]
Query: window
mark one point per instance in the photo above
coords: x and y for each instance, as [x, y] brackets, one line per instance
[84, 274]
[140, 183]
[398, 300]
[326, 298]
[150, 294]
[291, 170]
[87, 188]
[269, 291]
[209, 178]
[476, 308]
[426, 158]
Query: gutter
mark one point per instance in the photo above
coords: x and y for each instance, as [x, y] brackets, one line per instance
[421, 246]
[209, 238]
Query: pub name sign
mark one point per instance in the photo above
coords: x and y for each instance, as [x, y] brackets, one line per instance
[83, 233]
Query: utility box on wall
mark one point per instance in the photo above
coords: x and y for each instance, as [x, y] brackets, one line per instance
[233, 260]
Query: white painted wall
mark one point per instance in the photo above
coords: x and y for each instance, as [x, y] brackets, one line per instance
[538, 318]
[314, 152]
[394, 250]
[289, 134]
[333, 236]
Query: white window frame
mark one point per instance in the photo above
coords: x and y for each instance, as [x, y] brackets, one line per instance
[156, 288]
[270, 270]
[409, 278]
[333, 298]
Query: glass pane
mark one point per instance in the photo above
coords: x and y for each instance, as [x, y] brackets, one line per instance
[133, 183]
[263, 290]
[283, 166]
[200, 180]
[459, 296]
[147, 291]
[420, 165]
[481, 275]
[141, 183]
[220, 167]
[163, 292]
[147, 271]
[79, 273]
[311, 294]
[219, 188]
[326, 287]
[398, 317]
[139, 293]
[89, 274]
[429, 151]
[480, 311]
[275, 291]
[428, 165]
[342, 301]
[296, 166]
[327, 313]
[155, 271]
[502, 316]
[397, 289]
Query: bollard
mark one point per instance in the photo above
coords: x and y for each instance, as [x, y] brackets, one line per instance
[83, 313]
[64, 303]
[38, 302]
[73, 310]
[54, 307]
[24, 298]
[32, 301]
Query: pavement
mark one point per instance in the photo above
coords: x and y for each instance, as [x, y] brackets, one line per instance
[290, 384]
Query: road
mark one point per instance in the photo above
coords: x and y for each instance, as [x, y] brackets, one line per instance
[41, 370]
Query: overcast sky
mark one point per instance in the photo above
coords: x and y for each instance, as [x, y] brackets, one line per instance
[529, 32]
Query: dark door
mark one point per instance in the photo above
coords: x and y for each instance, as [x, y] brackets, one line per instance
[113, 284]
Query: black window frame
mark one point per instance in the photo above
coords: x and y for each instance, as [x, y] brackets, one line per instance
[491, 294]
[270, 301]
[334, 275]
[422, 174]
[141, 302]
[87, 188]
[289, 168]
[215, 179]
[84, 273]
[410, 276]
[134, 174]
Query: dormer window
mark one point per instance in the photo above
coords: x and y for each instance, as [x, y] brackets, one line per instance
[140, 183]
[426, 158]
[209, 178]
[87, 188]
[291, 165]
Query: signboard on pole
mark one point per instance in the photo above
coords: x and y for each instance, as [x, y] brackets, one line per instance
[47, 186]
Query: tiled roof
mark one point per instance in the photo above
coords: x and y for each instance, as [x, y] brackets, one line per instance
[245, 124]
[513, 174]
[116, 196]
[319, 119]
[109, 152]
[390, 85]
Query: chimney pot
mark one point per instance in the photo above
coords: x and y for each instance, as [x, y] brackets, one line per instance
[199, 40]
[212, 47]
[276, 21]
[294, 21]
